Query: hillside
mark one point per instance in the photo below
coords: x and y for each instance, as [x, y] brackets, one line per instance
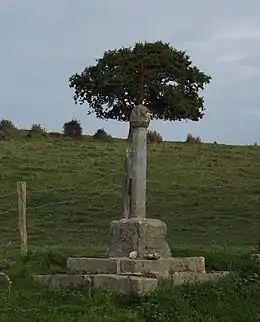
[209, 196]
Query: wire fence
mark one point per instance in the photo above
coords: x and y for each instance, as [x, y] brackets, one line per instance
[29, 201]
[53, 214]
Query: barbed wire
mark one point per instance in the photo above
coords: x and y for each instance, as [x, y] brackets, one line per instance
[59, 189]
[61, 202]
[51, 204]
[73, 187]
[70, 188]
[66, 188]
[105, 192]
[110, 208]
[7, 194]
[50, 190]
[70, 201]
[74, 201]
[7, 211]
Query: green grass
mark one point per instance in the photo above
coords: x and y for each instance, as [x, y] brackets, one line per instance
[209, 196]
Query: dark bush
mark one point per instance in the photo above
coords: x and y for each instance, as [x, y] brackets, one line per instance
[7, 130]
[37, 131]
[72, 129]
[102, 135]
[154, 137]
[192, 139]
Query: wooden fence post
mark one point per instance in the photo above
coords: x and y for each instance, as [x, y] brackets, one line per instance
[21, 194]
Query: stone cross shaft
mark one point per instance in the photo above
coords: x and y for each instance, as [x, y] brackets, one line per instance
[139, 121]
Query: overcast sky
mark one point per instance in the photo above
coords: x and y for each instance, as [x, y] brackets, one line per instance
[44, 42]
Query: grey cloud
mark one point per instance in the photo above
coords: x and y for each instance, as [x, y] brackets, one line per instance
[252, 60]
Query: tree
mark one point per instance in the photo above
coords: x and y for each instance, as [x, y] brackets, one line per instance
[72, 128]
[171, 87]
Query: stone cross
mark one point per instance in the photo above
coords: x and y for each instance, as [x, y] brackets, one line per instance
[139, 121]
[134, 235]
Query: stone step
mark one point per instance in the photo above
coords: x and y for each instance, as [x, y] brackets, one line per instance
[179, 278]
[122, 265]
[62, 280]
[123, 284]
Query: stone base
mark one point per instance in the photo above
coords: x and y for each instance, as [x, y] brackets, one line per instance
[145, 236]
[160, 268]
[129, 276]
[126, 285]
[123, 284]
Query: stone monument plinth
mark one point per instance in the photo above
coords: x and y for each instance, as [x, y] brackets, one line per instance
[144, 236]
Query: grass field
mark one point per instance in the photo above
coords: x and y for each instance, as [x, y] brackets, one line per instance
[209, 196]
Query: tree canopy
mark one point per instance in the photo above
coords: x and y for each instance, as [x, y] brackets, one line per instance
[171, 87]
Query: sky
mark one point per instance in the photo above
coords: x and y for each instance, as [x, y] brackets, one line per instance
[44, 42]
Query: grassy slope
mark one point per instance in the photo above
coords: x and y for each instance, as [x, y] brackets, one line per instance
[207, 194]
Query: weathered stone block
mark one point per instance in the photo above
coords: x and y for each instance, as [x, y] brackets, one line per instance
[121, 284]
[92, 265]
[157, 268]
[179, 278]
[127, 285]
[190, 264]
[140, 116]
[62, 280]
[141, 235]
[124, 265]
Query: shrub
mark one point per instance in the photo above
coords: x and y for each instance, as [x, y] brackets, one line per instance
[102, 135]
[7, 130]
[154, 137]
[192, 139]
[55, 135]
[37, 131]
[72, 129]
